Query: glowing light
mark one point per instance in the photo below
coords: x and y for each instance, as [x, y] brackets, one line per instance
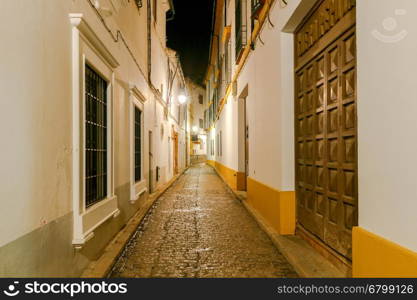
[182, 99]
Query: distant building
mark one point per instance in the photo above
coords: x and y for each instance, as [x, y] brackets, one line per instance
[198, 132]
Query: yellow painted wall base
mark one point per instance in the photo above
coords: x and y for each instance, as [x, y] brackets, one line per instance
[276, 207]
[374, 256]
[241, 181]
[230, 176]
[210, 162]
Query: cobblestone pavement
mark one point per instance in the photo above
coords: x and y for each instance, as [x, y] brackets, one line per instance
[199, 229]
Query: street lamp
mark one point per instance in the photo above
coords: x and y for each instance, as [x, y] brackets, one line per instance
[195, 128]
[182, 99]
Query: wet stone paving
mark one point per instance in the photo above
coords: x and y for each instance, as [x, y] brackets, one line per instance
[197, 228]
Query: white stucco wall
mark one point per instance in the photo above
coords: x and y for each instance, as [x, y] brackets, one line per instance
[36, 119]
[268, 76]
[35, 173]
[387, 109]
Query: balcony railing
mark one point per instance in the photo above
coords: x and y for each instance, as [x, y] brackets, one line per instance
[256, 8]
[240, 41]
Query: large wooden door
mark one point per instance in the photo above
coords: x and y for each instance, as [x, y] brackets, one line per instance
[325, 122]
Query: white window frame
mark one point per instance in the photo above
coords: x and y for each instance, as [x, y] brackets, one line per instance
[139, 188]
[88, 48]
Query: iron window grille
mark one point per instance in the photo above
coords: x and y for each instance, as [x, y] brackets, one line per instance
[138, 144]
[206, 119]
[95, 137]
[241, 27]
[221, 72]
[227, 64]
[211, 114]
[214, 103]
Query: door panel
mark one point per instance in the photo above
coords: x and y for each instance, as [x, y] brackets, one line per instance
[325, 122]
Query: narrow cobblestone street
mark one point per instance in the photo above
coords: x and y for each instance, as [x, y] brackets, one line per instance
[199, 229]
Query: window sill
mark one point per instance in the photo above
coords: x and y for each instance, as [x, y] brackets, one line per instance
[137, 190]
[92, 218]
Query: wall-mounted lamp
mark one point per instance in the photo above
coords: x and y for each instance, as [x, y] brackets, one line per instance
[182, 99]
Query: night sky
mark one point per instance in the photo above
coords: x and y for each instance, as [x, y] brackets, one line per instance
[189, 34]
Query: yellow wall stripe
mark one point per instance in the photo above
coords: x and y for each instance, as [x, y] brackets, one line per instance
[228, 175]
[374, 256]
[276, 207]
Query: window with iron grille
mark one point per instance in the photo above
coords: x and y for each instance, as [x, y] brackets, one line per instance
[95, 137]
[240, 27]
[194, 138]
[138, 144]
[206, 119]
[208, 92]
[201, 123]
[227, 63]
[220, 80]
[215, 100]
